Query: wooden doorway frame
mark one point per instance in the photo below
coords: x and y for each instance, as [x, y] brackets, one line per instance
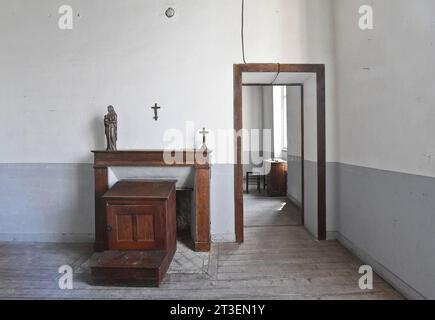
[319, 70]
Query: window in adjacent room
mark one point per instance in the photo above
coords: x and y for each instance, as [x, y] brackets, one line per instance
[280, 120]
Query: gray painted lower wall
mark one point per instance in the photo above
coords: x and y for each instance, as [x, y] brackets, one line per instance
[222, 203]
[387, 274]
[55, 202]
[388, 219]
[46, 202]
[294, 178]
[310, 196]
[385, 218]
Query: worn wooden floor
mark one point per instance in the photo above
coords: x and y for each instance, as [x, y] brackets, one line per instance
[275, 262]
[261, 210]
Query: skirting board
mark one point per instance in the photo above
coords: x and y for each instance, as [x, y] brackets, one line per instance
[406, 290]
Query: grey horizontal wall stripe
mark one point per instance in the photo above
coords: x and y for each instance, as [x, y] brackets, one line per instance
[55, 202]
[388, 218]
[387, 274]
[46, 202]
[48, 237]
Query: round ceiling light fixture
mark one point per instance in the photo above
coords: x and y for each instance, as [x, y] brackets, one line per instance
[170, 12]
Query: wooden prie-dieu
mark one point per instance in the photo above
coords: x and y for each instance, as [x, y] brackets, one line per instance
[135, 222]
[154, 158]
[142, 235]
[141, 215]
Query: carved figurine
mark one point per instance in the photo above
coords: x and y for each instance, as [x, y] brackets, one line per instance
[110, 124]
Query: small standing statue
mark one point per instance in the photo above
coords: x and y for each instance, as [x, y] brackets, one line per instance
[110, 124]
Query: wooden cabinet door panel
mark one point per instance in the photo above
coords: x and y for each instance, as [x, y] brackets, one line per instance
[145, 227]
[135, 227]
[123, 227]
[277, 180]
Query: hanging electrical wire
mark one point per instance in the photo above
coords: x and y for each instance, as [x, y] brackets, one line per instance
[277, 74]
[243, 31]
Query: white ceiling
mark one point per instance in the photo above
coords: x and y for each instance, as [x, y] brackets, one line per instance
[283, 77]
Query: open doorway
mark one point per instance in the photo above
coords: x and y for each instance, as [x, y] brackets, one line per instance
[273, 162]
[308, 206]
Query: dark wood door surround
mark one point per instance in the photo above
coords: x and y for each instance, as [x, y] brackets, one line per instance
[131, 158]
[319, 70]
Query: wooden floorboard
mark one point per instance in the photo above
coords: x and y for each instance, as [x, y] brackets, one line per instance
[298, 268]
[282, 211]
[275, 262]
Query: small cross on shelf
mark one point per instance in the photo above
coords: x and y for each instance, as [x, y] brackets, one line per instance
[203, 132]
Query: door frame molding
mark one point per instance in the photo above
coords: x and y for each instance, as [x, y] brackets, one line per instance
[319, 70]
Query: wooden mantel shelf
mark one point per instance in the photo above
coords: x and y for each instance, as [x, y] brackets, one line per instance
[198, 159]
[183, 158]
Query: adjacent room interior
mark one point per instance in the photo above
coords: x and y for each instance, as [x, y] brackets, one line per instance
[273, 163]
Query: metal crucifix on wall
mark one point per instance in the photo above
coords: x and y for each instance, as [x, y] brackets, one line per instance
[155, 107]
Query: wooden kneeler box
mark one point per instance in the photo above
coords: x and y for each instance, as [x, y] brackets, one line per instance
[141, 233]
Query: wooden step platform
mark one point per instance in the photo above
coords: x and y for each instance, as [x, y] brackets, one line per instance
[130, 268]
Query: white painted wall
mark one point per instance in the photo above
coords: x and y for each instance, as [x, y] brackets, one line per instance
[268, 113]
[310, 155]
[385, 120]
[386, 86]
[55, 85]
[277, 122]
[294, 142]
[294, 116]
[252, 110]
[310, 119]
[126, 53]
[252, 107]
